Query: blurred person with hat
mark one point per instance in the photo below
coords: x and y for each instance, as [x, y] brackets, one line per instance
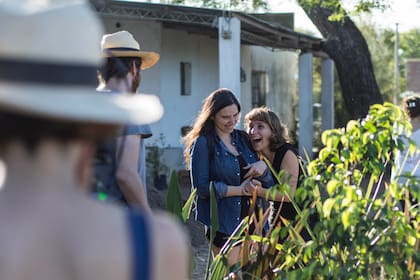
[51, 119]
[126, 182]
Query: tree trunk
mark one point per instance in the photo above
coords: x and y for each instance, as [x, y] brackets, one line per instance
[348, 49]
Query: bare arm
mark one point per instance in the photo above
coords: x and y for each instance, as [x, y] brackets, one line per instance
[241, 190]
[290, 165]
[128, 178]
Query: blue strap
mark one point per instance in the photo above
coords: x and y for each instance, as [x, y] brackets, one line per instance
[140, 245]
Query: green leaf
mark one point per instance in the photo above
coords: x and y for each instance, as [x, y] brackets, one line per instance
[214, 216]
[327, 207]
[332, 186]
[345, 218]
[186, 210]
[173, 198]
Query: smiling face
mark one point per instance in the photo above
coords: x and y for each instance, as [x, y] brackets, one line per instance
[226, 119]
[260, 134]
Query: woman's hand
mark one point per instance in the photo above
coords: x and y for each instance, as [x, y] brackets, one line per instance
[255, 169]
[247, 188]
[253, 186]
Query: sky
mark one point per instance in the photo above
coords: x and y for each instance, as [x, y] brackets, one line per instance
[404, 12]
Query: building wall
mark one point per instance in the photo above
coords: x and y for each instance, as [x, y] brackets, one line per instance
[281, 67]
[179, 46]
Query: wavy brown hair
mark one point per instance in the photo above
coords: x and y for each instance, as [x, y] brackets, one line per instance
[204, 123]
[280, 132]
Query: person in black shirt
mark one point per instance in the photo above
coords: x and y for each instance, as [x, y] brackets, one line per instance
[269, 137]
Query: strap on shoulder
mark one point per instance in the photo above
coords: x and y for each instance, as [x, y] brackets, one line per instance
[141, 264]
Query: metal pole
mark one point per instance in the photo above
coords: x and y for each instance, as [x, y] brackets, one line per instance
[396, 66]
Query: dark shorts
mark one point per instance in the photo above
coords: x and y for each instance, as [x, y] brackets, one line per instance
[220, 238]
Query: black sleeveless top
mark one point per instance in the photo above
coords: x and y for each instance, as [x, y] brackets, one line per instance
[287, 210]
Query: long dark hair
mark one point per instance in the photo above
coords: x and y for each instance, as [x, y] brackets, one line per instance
[117, 67]
[204, 123]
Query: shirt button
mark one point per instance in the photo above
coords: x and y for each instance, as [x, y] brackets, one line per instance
[237, 219]
[237, 174]
[239, 203]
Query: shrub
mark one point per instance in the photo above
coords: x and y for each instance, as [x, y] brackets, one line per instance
[369, 225]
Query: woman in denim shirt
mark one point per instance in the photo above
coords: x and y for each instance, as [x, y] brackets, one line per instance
[217, 152]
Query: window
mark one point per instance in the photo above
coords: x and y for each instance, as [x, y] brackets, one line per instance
[260, 88]
[185, 78]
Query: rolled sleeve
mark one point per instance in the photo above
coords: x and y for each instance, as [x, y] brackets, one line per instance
[266, 179]
[220, 189]
[200, 171]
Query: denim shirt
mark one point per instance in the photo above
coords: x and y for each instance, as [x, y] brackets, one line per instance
[223, 169]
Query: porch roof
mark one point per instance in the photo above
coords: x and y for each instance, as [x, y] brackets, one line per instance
[254, 31]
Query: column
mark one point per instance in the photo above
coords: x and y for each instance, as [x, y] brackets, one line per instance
[305, 105]
[230, 54]
[327, 94]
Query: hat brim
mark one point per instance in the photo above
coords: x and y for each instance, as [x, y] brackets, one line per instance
[148, 58]
[80, 104]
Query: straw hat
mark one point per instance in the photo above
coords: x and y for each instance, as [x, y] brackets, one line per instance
[123, 44]
[49, 55]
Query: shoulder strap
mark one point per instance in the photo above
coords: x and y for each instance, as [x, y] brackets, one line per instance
[278, 158]
[140, 246]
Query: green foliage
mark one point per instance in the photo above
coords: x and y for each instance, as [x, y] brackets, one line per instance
[366, 228]
[154, 160]
[410, 43]
[173, 197]
[240, 5]
[338, 12]
[382, 54]
[363, 232]
[174, 201]
[186, 209]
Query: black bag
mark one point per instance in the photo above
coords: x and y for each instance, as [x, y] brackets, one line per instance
[104, 185]
[287, 209]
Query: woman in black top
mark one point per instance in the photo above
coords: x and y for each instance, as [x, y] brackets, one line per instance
[269, 137]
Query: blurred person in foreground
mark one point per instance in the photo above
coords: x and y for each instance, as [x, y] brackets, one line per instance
[51, 119]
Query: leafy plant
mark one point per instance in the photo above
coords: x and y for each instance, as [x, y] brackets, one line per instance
[369, 225]
[174, 202]
[154, 158]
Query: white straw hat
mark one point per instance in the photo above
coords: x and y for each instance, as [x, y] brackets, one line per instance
[123, 44]
[49, 55]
